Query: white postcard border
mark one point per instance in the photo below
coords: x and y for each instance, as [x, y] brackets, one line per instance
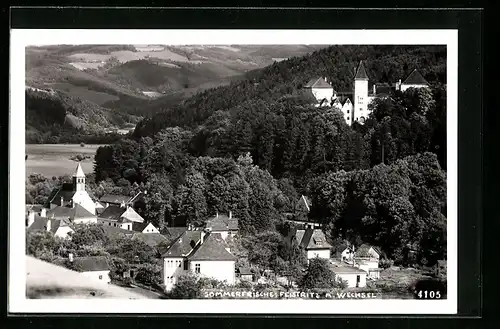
[17, 301]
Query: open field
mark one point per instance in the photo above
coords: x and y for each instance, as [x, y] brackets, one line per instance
[53, 159]
[82, 92]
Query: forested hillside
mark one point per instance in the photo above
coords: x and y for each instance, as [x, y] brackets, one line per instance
[53, 117]
[337, 63]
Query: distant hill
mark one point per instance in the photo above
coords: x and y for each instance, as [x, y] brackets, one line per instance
[51, 114]
[131, 77]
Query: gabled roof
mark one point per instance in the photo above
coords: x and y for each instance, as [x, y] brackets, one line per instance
[364, 248]
[317, 83]
[151, 239]
[114, 212]
[40, 224]
[213, 249]
[304, 204]
[175, 232]
[115, 198]
[361, 72]
[88, 264]
[79, 171]
[115, 230]
[139, 227]
[64, 193]
[222, 223]
[312, 239]
[415, 78]
[347, 270]
[72, 213]
[184, 244]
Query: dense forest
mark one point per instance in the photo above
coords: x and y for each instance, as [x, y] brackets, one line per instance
[255, 146]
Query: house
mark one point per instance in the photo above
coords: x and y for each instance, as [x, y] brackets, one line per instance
[313, 241]
[74, 193]
[144, 227]
[123, 200]
[414, 80]
[321, 89]
[245, 274]
[354, 277]
[365, 257]
[118, 216]
[59, 227]
[222, 224]
[96, 267]
[75, 213]
[201, 252]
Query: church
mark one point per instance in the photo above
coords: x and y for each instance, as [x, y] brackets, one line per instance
[354, 105]
[72, 194]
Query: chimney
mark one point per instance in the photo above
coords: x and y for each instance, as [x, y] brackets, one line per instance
[374, 90]
[202, 236]
[70, 256]
[216, 214]
[31, 218]
[43, 212]
[230, 214]
[62, 201]
[49, 222]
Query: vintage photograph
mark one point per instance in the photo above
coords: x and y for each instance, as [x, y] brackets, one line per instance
[236, 171]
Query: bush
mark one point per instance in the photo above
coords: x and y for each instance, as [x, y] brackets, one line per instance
[187, 287]
[82, 144]
[385, 263]
[319, 275]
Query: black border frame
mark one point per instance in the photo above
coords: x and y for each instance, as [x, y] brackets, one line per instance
[470, 26]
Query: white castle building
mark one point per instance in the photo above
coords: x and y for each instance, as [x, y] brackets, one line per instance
[354, 105]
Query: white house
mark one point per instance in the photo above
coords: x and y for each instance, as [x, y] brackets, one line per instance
[313, 241]
[361, 100]
[74, 193]
[144, 227]
[321, 89]
[118, 216]
[59, 227]
[366, 257]
[75, 213]
[222, 224]
[200, 252]
[414, 80]
[96, 268]
[354, 277]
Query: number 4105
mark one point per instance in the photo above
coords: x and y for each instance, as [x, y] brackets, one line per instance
[424, 294]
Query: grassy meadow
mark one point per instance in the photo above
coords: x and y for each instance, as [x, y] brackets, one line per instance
[54, 159]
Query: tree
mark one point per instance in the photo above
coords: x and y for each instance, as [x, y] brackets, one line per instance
[88, 234]
[318, 275]
[187, 287]
[149, 274]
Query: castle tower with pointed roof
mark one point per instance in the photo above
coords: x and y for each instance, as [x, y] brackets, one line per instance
[360, 112]
[79, 179]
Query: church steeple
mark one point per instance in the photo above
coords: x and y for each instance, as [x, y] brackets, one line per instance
[79, 179]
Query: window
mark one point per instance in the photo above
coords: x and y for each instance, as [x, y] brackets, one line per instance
[180, 262]
[347, 111]
[347, 118]
[197, 268]
[100, 277]
[185, 265]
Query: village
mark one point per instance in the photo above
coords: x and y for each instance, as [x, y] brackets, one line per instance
[202, 251]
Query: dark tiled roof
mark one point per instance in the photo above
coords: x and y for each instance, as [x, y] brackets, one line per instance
[383, 89]
[139, 227]
[317, 83]
[361, 72]
[116, 199]
[151, 239]
[364, 248]
[312, 239]
[87, 264]
[65, 194]
[184, 244]
[304, 204]
[222, 223]
[415, 78]
[347, 270]
[213, 248]
[40, 224]
[175, 232]
[112, 212]
[72, 213]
